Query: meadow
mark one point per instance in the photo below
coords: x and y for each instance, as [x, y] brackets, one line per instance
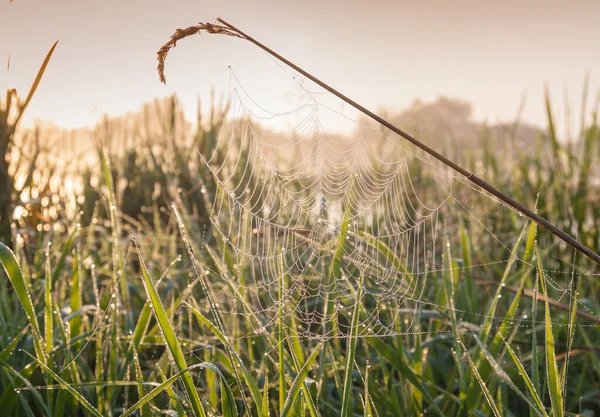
[122, 295]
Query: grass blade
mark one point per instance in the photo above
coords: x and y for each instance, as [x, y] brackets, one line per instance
[75, 300]
[554, 386]
[395, 358]
[145, 412]
[48, 311]
[254, 390]
[63, 255]
[8, 350]
[35, 84]
[28, 384]
[486, 392]
[298, 382]
[170, 337]
[228, 406]
[347, 393]
[528, 382]
[504, 376]
[15, 276]
[308, 400]
[265, 404]
[80, 398]
[368, 412]
[166, 384]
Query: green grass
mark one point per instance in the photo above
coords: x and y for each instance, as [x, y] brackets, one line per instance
[177, 328]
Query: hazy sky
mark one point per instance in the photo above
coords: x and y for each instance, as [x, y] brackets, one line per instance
[381, 53]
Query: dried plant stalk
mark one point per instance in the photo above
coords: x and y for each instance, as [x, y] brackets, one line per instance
[180, 34]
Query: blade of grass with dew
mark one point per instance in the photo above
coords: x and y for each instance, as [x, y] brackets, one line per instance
[113, 391]
[486, 393]
[99, 368]
[139, 376]
[298, 382]
[419, 364]
[76, 296]
[535, 378]
[176, 305]
[347, 390]
[170, 337]
[5, 296]
[228, 407]
[472, 398]
[76, 394]
[280, 336]
[8, 350]
[9, 397]
[573, 294]
[48, 311]
[503, 376]
[495, 346]
[115, 227]
[465, 244]
[305, 390]
[528, 382]
[211, 381]
[24, 401]
[172, 396]
[116, 266]
[486, 327]
[142, 324]
[335, 270]
[63, 255]
[265, 404]
[29, 386]
[252, 384]
[65, 336]
[553, 378]
[395, 358]
[449, 289]
[296, 350]
[15, 276]
[367, 407]
[166, 384]
[336, 262]
[144, 318]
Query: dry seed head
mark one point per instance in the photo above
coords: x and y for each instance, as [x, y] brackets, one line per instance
[180, 34]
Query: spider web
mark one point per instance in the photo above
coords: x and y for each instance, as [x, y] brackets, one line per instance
[309, 227]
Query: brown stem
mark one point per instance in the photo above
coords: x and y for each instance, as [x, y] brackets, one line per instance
[540, 299]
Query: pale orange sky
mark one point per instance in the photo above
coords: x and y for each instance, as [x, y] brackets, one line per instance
[380, 53]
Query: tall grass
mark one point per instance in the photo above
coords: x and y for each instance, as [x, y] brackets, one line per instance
[12, 109]
[105, 333]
